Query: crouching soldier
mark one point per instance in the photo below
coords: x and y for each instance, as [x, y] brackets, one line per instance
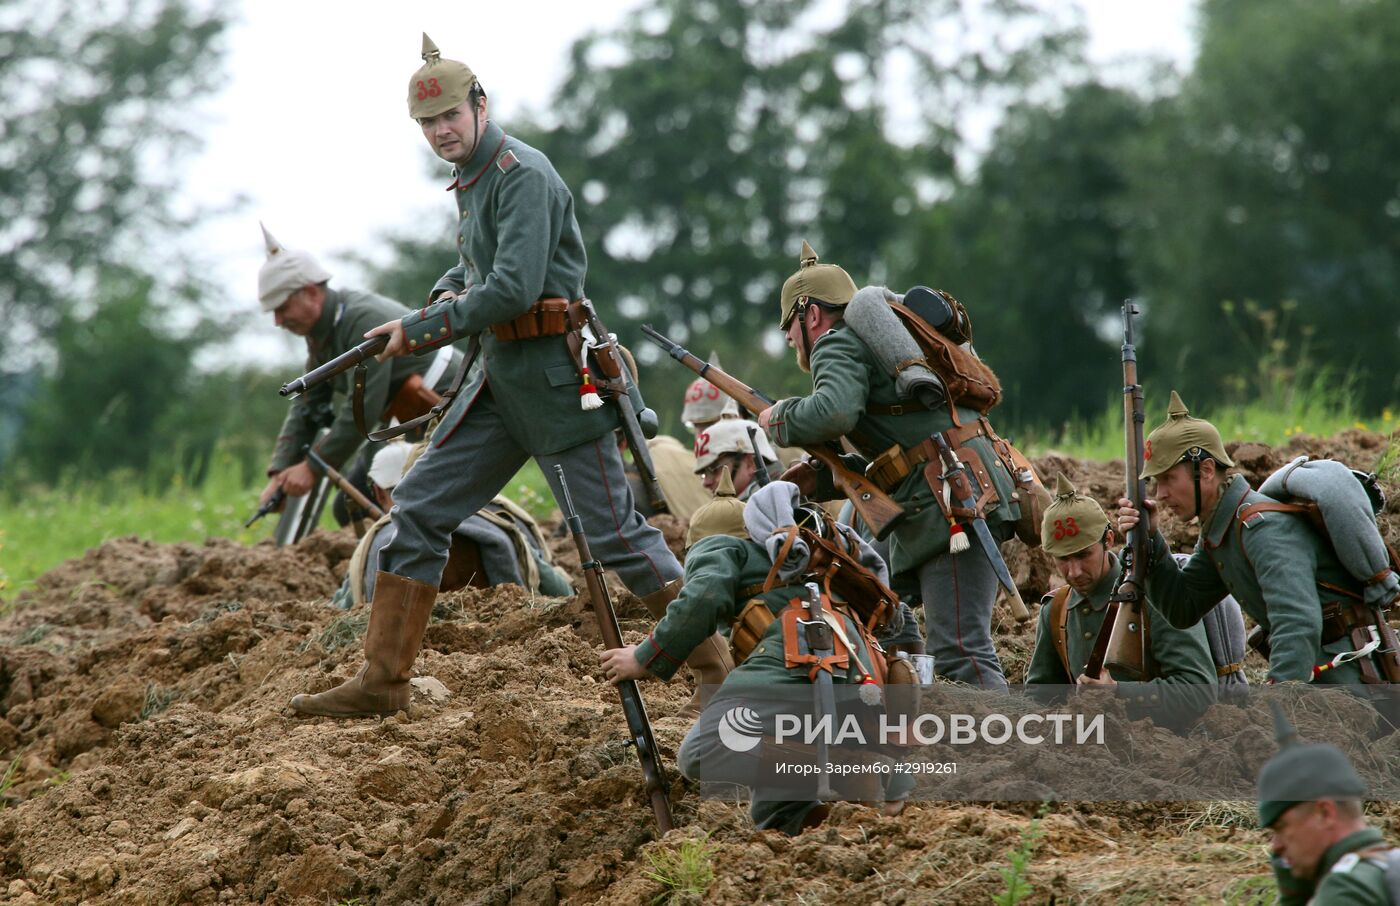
[499, 544]
[725, 447]
[1323, 851]
[736, 580]
[1180, 670]
[1284, 573]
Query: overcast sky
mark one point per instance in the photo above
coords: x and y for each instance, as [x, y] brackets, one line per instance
[311, 133]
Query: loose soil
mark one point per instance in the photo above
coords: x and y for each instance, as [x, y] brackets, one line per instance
[153, 758]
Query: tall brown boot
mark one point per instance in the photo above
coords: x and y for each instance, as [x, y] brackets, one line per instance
[398, 616]
[710, 662]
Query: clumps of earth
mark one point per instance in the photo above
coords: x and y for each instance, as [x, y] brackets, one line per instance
[147, 755]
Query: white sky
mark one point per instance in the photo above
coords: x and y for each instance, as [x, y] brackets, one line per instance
[311, 134]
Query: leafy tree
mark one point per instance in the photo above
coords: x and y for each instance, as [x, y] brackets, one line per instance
[1034, 246]
[1271, 199]
[94, 107]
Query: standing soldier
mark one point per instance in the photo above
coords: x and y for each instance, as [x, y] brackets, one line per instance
[517, 284]
[725, 445]
[853, 397]
[1323, 851]
[1284, 574]
[295, 288]
[1180, 670]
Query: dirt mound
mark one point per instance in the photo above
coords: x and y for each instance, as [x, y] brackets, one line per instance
[143, 714]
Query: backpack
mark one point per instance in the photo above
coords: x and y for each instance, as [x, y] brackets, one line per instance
[967, 380]
[1341, 504]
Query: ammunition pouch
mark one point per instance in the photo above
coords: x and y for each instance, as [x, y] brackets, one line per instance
[414, 398]
[750, 626]
[552, 317]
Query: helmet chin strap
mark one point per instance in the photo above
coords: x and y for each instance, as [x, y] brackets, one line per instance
[801, 314]
[1195, 455]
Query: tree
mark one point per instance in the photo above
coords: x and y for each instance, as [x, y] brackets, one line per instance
[94, 106]
[1272, 192]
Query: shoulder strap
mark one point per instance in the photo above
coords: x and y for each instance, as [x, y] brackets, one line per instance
[1059, 627]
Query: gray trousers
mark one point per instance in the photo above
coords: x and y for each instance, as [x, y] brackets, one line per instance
[468, 465]
[959, 591]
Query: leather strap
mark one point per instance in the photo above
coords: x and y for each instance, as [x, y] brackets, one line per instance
[358, 403]
[903, 408]
[1059, 627]
[550, 317]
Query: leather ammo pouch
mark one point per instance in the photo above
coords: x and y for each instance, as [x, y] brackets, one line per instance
[751, 624]
[414, 398]
[546, 318]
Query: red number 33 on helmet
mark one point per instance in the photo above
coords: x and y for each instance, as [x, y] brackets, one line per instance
[1066, 528]
[428, 89]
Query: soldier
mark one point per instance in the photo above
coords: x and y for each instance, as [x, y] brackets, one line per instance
[295, 288]
[706, 404]
[854, 398]
[727, 584]
[1323, 851]
[725, 446]
[1284, 574]
[517, 285]
[499, 543]
[1181, 672]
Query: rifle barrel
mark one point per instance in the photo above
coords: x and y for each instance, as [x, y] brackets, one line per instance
[343, 362]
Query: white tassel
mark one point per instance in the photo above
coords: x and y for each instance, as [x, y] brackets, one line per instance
[957, 539]
[869, 692]
[588, 394]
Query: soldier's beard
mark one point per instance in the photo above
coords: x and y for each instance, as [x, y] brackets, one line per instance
[802, 361]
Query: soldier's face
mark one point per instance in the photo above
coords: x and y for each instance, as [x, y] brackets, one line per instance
[1302, 835]
[300, 312]
[1083, 571]
[453, 134]
[1176, 489]
[793, 334]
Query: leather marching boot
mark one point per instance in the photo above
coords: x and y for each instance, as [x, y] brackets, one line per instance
[710, 662]
[398, 617]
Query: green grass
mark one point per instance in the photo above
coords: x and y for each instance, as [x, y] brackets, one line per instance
[46, 525]
[686, 870]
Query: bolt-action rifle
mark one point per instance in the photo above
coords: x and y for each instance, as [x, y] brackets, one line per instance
[877, 508]
[1120, 641]
[760, 468]
[271, 506]
[633, 707]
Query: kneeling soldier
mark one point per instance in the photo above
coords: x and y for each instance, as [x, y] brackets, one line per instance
[731, 580]
[1179, 665]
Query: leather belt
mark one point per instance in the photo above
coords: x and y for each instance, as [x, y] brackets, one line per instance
[897, 463]
[552, 317]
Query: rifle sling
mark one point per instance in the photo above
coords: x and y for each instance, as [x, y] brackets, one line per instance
[358, 400]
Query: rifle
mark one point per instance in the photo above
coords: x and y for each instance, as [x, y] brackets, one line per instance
[272, 504]
[633, 707]
[819, 640]
[760, 468]
[877, 508]
[1121, 639]
[344, 484]
[964, 487]
[343, 362]
[610, 363]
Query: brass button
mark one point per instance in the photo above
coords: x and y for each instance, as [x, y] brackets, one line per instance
[412, 344]
[443, 331]
[427, 336]
[1088, 635]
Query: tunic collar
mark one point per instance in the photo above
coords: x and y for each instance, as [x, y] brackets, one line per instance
[1231, 496]
[492, 138]
[330, 316]
[1362, 839]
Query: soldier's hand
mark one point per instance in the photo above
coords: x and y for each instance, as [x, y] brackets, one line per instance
[297, 480]
[1103, 679]
[272, 485]
[1128, 516]
[621, 664]
[764, 416]
[397, 344]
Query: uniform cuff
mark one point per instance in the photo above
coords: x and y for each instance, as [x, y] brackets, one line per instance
[656, 659]
[427, 329]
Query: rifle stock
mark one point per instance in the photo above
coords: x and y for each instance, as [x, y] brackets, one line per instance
[1121, 641]
[343, 362]
[876, 508]
[634, 709]
[344, 484]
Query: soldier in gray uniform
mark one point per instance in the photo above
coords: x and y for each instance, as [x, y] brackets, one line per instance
[517, 285]
[295, 288]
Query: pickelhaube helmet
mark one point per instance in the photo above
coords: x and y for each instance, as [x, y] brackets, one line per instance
[1181, 437]
[722, 516]
[814, 282]
[438, 85]
[1303, 772]
[706, 403]
[730, 435]
[284, 272]
[1072, 521]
